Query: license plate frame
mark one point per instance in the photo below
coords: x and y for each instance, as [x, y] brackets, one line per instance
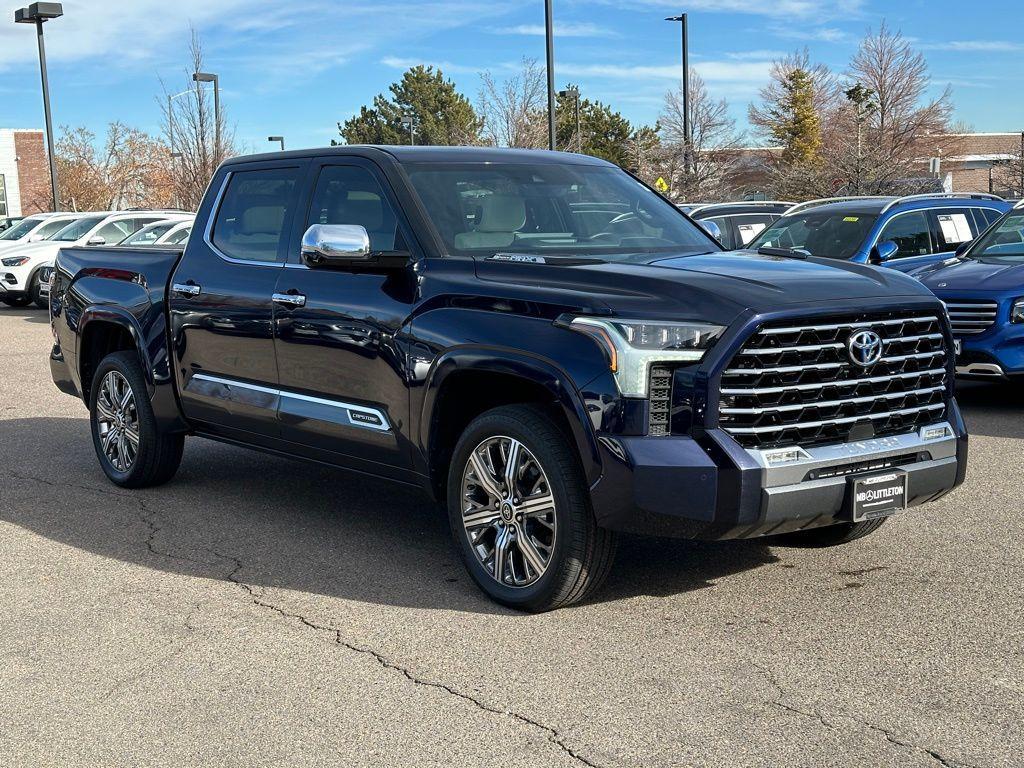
[879, 494]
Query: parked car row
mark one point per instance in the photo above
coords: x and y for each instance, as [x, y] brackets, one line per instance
[28, 249]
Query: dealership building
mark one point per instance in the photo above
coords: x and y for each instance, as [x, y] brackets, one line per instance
[24, 176]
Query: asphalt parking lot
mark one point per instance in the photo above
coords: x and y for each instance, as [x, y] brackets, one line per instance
[258, 612]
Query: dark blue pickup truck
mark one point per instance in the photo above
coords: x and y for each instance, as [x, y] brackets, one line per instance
[538, 340]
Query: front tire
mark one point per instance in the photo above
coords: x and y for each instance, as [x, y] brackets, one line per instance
[520, 514]
[831, 535]
[33, 293]
[133, 451]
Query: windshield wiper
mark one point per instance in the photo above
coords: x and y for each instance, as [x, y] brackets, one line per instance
[786, 253]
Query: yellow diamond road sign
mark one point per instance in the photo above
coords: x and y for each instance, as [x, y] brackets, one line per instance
[661, 185]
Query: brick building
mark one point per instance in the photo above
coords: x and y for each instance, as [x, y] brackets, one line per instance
[24, 173]
[986, 162]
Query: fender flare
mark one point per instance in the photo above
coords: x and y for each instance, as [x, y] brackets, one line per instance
[515, 363]
[119, 317]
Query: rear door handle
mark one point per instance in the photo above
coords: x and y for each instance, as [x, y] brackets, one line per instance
[187, 289]
[290, 299]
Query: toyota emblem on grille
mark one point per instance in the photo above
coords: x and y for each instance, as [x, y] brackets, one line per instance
[864, 348]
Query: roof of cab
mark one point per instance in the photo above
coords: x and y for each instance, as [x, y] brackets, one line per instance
[428, 154]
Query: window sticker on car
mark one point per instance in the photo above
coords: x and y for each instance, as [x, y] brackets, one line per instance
[955, 228]
[749, 231]
[851, 218]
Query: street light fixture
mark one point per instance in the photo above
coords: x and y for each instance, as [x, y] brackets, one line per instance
[681, 18]
[206, 77]
[549, 38]
[278, 139]
[574, 91]
[37, 14]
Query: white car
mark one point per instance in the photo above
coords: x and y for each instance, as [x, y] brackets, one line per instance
[163, 233]
[32, 229]
[24, 269]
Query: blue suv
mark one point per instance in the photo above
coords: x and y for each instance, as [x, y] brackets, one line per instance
[983, 289]
[905, 233]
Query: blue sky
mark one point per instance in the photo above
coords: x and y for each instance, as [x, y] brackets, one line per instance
[298, 74]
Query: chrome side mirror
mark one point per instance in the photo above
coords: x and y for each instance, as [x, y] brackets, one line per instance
[335, 244]
[885, 250]
[712, 229]
[35, 238]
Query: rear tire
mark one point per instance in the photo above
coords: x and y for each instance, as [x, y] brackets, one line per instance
[831, 535]
[554, 552]
[132, 449]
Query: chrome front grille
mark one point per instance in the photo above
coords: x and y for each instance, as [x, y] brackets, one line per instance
[971, 316]
[796, 383]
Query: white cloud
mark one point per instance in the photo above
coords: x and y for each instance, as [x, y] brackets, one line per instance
[448, 67]
[787, 9]
[815, 34]
[762, 55]
[562, 29]
[711, 71]
[989, 46]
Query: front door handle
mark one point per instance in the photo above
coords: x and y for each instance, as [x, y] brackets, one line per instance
[187, 289]
[290, 299]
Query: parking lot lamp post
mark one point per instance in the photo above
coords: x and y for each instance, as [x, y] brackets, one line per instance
[681, 18]
[38, 14]
[279, 139]
[407, 122]
[549, 37]
[206, 77]
[575, 93]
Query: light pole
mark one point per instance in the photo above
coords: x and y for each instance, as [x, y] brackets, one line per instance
[206, 77]
[549, 37]
[278, 139]
[681, 18]
[38, 14]
[574, 91]
[408, 122]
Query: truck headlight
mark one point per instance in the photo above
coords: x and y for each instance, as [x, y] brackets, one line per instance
[1017, 311]
[14, 261]
[633, 345]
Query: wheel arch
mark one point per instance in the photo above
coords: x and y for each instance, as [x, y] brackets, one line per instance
[465, 382]
[103, 330]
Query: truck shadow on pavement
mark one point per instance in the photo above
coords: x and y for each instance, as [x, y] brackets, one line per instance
[29, 314]
[237, 515]
[992, 409]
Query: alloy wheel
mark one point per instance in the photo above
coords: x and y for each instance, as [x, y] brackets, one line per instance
[508, 511]
[117, 421]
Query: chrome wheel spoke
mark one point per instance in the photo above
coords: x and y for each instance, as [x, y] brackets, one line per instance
[132, 433]
[117, 421]
[512, 537]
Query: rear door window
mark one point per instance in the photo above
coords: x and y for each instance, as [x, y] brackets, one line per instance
[912, 234]
[255, 213]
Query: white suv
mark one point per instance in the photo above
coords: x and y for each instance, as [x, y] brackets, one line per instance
[24, 269]
[32, 229]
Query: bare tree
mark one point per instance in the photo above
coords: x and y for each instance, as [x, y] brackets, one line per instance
[714, 145]
[902, 127]
[190, 130]
[513, 111]
[127, 170]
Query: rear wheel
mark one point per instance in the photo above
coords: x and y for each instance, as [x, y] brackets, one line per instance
[831, 535]
[133, 451]
[519, 510]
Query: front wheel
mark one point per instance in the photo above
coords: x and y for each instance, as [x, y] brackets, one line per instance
[133, 451]
[831, 535]
[34, 293]
[520, 513]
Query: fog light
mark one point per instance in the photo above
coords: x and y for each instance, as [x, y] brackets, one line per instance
[784, 456]
[934, 433]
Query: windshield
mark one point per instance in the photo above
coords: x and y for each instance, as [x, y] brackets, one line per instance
[828, 235]
[544, 209]
[148, 235]
[1004, 243]
[76, 230]
[20, 229]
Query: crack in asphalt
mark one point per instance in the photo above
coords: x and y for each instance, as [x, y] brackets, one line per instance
[889, 735]
[553, 735]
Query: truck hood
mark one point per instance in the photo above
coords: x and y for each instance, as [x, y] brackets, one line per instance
[973, 275]
[713, 287]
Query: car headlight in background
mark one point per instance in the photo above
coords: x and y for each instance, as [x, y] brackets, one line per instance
[1017, 311]
[632, 345]
[14, 261]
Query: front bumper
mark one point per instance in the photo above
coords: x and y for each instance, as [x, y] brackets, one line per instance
[712, 488]
[996, 354]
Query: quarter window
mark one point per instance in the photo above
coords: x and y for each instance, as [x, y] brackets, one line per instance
[115, 231]
[911, 233]
[254, 214]
[348, 194]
